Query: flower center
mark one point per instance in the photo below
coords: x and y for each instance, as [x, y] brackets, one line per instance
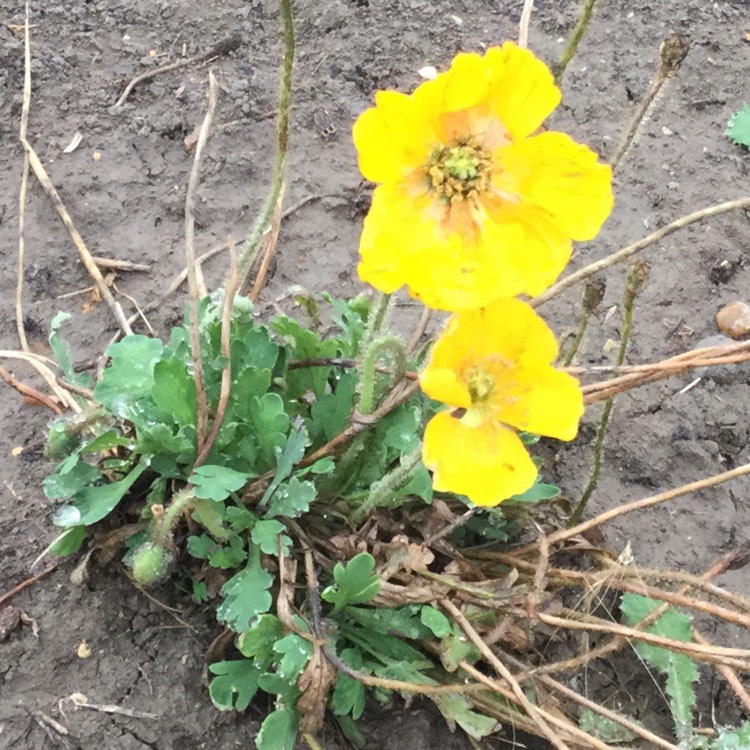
[459, 172]
[481, 385]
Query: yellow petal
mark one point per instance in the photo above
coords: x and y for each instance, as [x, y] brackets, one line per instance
[444, 384]
[542, 400]
[523, 92]
[507, 332]
[561, 178]
[394, 138]
[509, 256]
[390, 237]
[488, 463]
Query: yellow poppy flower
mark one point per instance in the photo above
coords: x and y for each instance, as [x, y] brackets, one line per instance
[471, 207]
[494, 367]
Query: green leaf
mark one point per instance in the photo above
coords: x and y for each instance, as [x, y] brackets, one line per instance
[130, 375]
[738, 127]
[679, 669]
[348, 695]
[403, 622]
[217, 483]
[292, 499]
[66, 483]
[730, 739]
[603, 728]
[265, 534]
[200, 546]
[200, 592]
[62, 352]
[436, 621]
[295, 652]
[271, 424]
[94, 503]
[231, 556]
[173, 392]
[330, 413]
[286, 458]
[258, 641]
[457, 710]
[537, 493]
[355, 583]
[210, 515]
[278, 731]
[455, 648]
[107, 441]
[246, 595]
[68, 542]
[234, 685]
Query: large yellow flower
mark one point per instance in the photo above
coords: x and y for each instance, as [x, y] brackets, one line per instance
[494, 367]
[471, 206]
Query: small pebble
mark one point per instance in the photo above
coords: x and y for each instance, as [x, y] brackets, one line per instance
[734, 319]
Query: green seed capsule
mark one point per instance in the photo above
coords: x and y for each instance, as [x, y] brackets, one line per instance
[151, 563]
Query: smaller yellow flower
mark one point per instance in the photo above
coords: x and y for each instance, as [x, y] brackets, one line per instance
[494, 367]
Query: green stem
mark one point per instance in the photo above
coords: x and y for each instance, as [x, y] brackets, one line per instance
[249, 250]
[574, 40]
[577, 339]
[634, 285]
[381, 492]
[368, 376]
[181, 503]
[375, 320]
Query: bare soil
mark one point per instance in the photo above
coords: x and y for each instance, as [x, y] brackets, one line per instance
[125, 187]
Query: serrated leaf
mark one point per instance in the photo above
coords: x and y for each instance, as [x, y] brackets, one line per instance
[603, 728]
[292, 499]
[738, 127]
[173, 392]
[258, 641]
[354, 583]
[404, 622]
[246, 595]
[228, 556]
[130, 375]
[278, 731]
[295, 651]
[456, 648]
[265, 534]
[730, 739]
[270, 424]
[436, 621]
[107, 441]
[62, 352]
[348, 696]
[217, 483]
[200, 546]
[679, 669]
[92, 504]
[457, 710]
[330, 413]
[68, 542]
[234, 684]
[286, 458]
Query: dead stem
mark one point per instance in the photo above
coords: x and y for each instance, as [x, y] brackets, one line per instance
[523, 26]
[218, 50]
[271, 243]
[29, 392]
[504, 672]
[20, 327]
[672, 52]
[230, 291]
[83, 251]
[195, 336]
[647, 502]
[729, 675]
[8, 595]
[630, 250]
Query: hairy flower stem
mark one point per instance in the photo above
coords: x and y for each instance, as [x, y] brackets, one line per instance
[381, 492]
[249, 250]
[392, 345]
[634, 285]
[575, 39]
[593, 293]
[164, 524]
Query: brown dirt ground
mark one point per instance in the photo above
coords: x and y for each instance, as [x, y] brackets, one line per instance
[129, 204]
